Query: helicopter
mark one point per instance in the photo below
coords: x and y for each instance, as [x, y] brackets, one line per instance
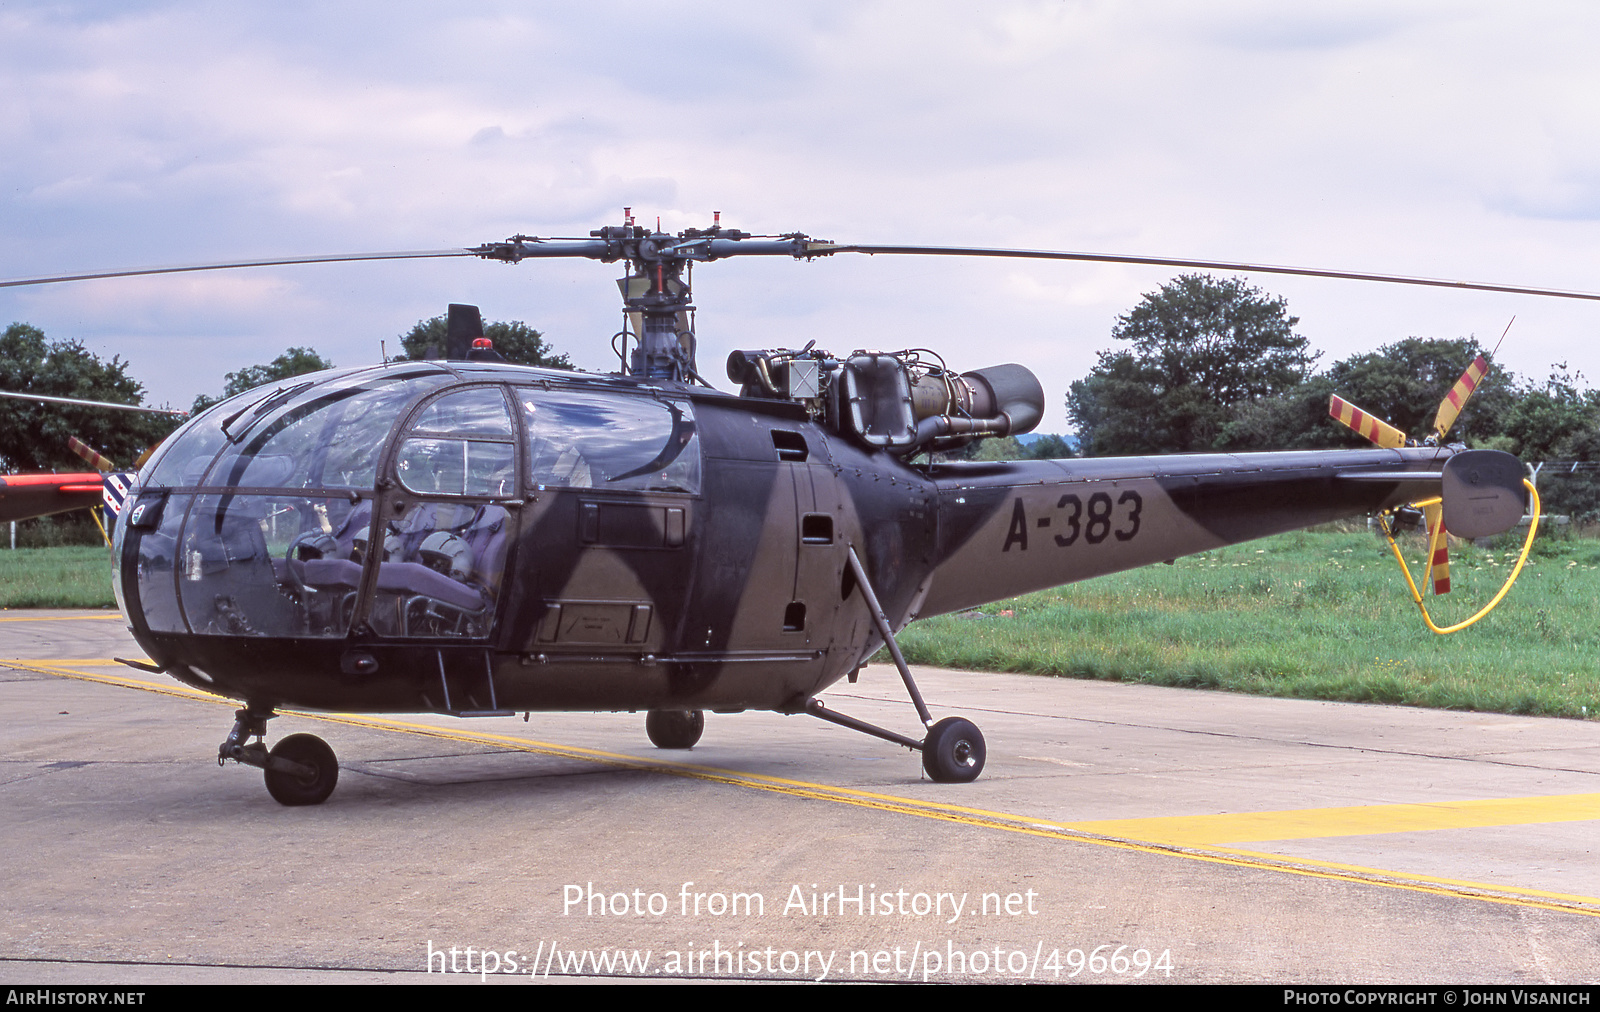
[464, 536]
[28, 496]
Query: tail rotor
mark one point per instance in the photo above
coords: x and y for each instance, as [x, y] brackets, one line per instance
[1380, 433]
[1456, 486]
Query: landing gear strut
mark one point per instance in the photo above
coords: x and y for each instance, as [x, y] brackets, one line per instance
[953, 751]
[300, 770]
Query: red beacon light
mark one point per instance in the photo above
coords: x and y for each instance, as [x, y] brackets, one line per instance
[482, 350]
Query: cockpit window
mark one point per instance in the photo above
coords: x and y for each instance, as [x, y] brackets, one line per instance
[475, 411]
[196, 444]
[458, 467]
[461, 443]
[328, 435]
[581, 439]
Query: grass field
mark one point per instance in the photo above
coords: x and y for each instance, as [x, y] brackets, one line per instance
[73, 577]
[1315, 614]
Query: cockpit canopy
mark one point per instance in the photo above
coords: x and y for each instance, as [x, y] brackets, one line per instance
[259, 517]
[329, 431]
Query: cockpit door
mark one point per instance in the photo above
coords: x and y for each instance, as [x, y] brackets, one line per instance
[446, 527]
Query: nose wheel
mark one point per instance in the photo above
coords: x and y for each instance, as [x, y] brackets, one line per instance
[300, 770]
[316, 777]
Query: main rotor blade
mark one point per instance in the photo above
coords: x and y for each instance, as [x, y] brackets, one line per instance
[799, 246]
[332, 258]
[816, 249]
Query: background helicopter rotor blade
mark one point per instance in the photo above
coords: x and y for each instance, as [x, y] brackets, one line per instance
[50, 279]
[93, 404]
[825, 249]
[94, 458]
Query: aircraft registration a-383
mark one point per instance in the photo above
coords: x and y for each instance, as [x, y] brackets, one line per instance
[469, 537]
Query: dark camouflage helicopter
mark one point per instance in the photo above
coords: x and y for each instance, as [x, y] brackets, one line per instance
[468, 537]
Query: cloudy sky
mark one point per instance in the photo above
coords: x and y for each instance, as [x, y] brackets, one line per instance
[1451, 139]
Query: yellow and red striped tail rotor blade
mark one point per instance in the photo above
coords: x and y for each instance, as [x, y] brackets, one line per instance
[1375, 429]
[1456, 399]
[1438, 550]
[89, 454]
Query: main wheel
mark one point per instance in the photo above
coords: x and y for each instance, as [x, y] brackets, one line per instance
[674, 728]
[307, 750]
[953, 752]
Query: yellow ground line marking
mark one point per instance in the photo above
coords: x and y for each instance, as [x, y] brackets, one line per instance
[1123, 834]
[62, 669]
[1364, 820]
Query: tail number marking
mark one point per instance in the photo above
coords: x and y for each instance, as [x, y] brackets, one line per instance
[1094, 525]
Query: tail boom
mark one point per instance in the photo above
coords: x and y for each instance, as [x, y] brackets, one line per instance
[1011, 528]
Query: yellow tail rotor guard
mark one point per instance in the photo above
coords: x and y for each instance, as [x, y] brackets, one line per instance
[1416, 595]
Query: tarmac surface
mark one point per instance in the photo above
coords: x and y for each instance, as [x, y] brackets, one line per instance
[1118, 833]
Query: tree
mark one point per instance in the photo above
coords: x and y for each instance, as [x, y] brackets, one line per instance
[1546, 419]
[1294, 420]
[1401, 383]
[1045, 447]
[514, 340]
[33, 435]
[1558, 421]
[294, 362]
[995, 448]
[1049, 447]
[1200, 346]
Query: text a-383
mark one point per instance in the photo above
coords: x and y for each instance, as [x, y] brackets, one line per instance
[1095, 521]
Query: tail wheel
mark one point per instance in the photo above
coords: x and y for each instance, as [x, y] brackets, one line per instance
[674, 728]
[311, 788]
[953, 752]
